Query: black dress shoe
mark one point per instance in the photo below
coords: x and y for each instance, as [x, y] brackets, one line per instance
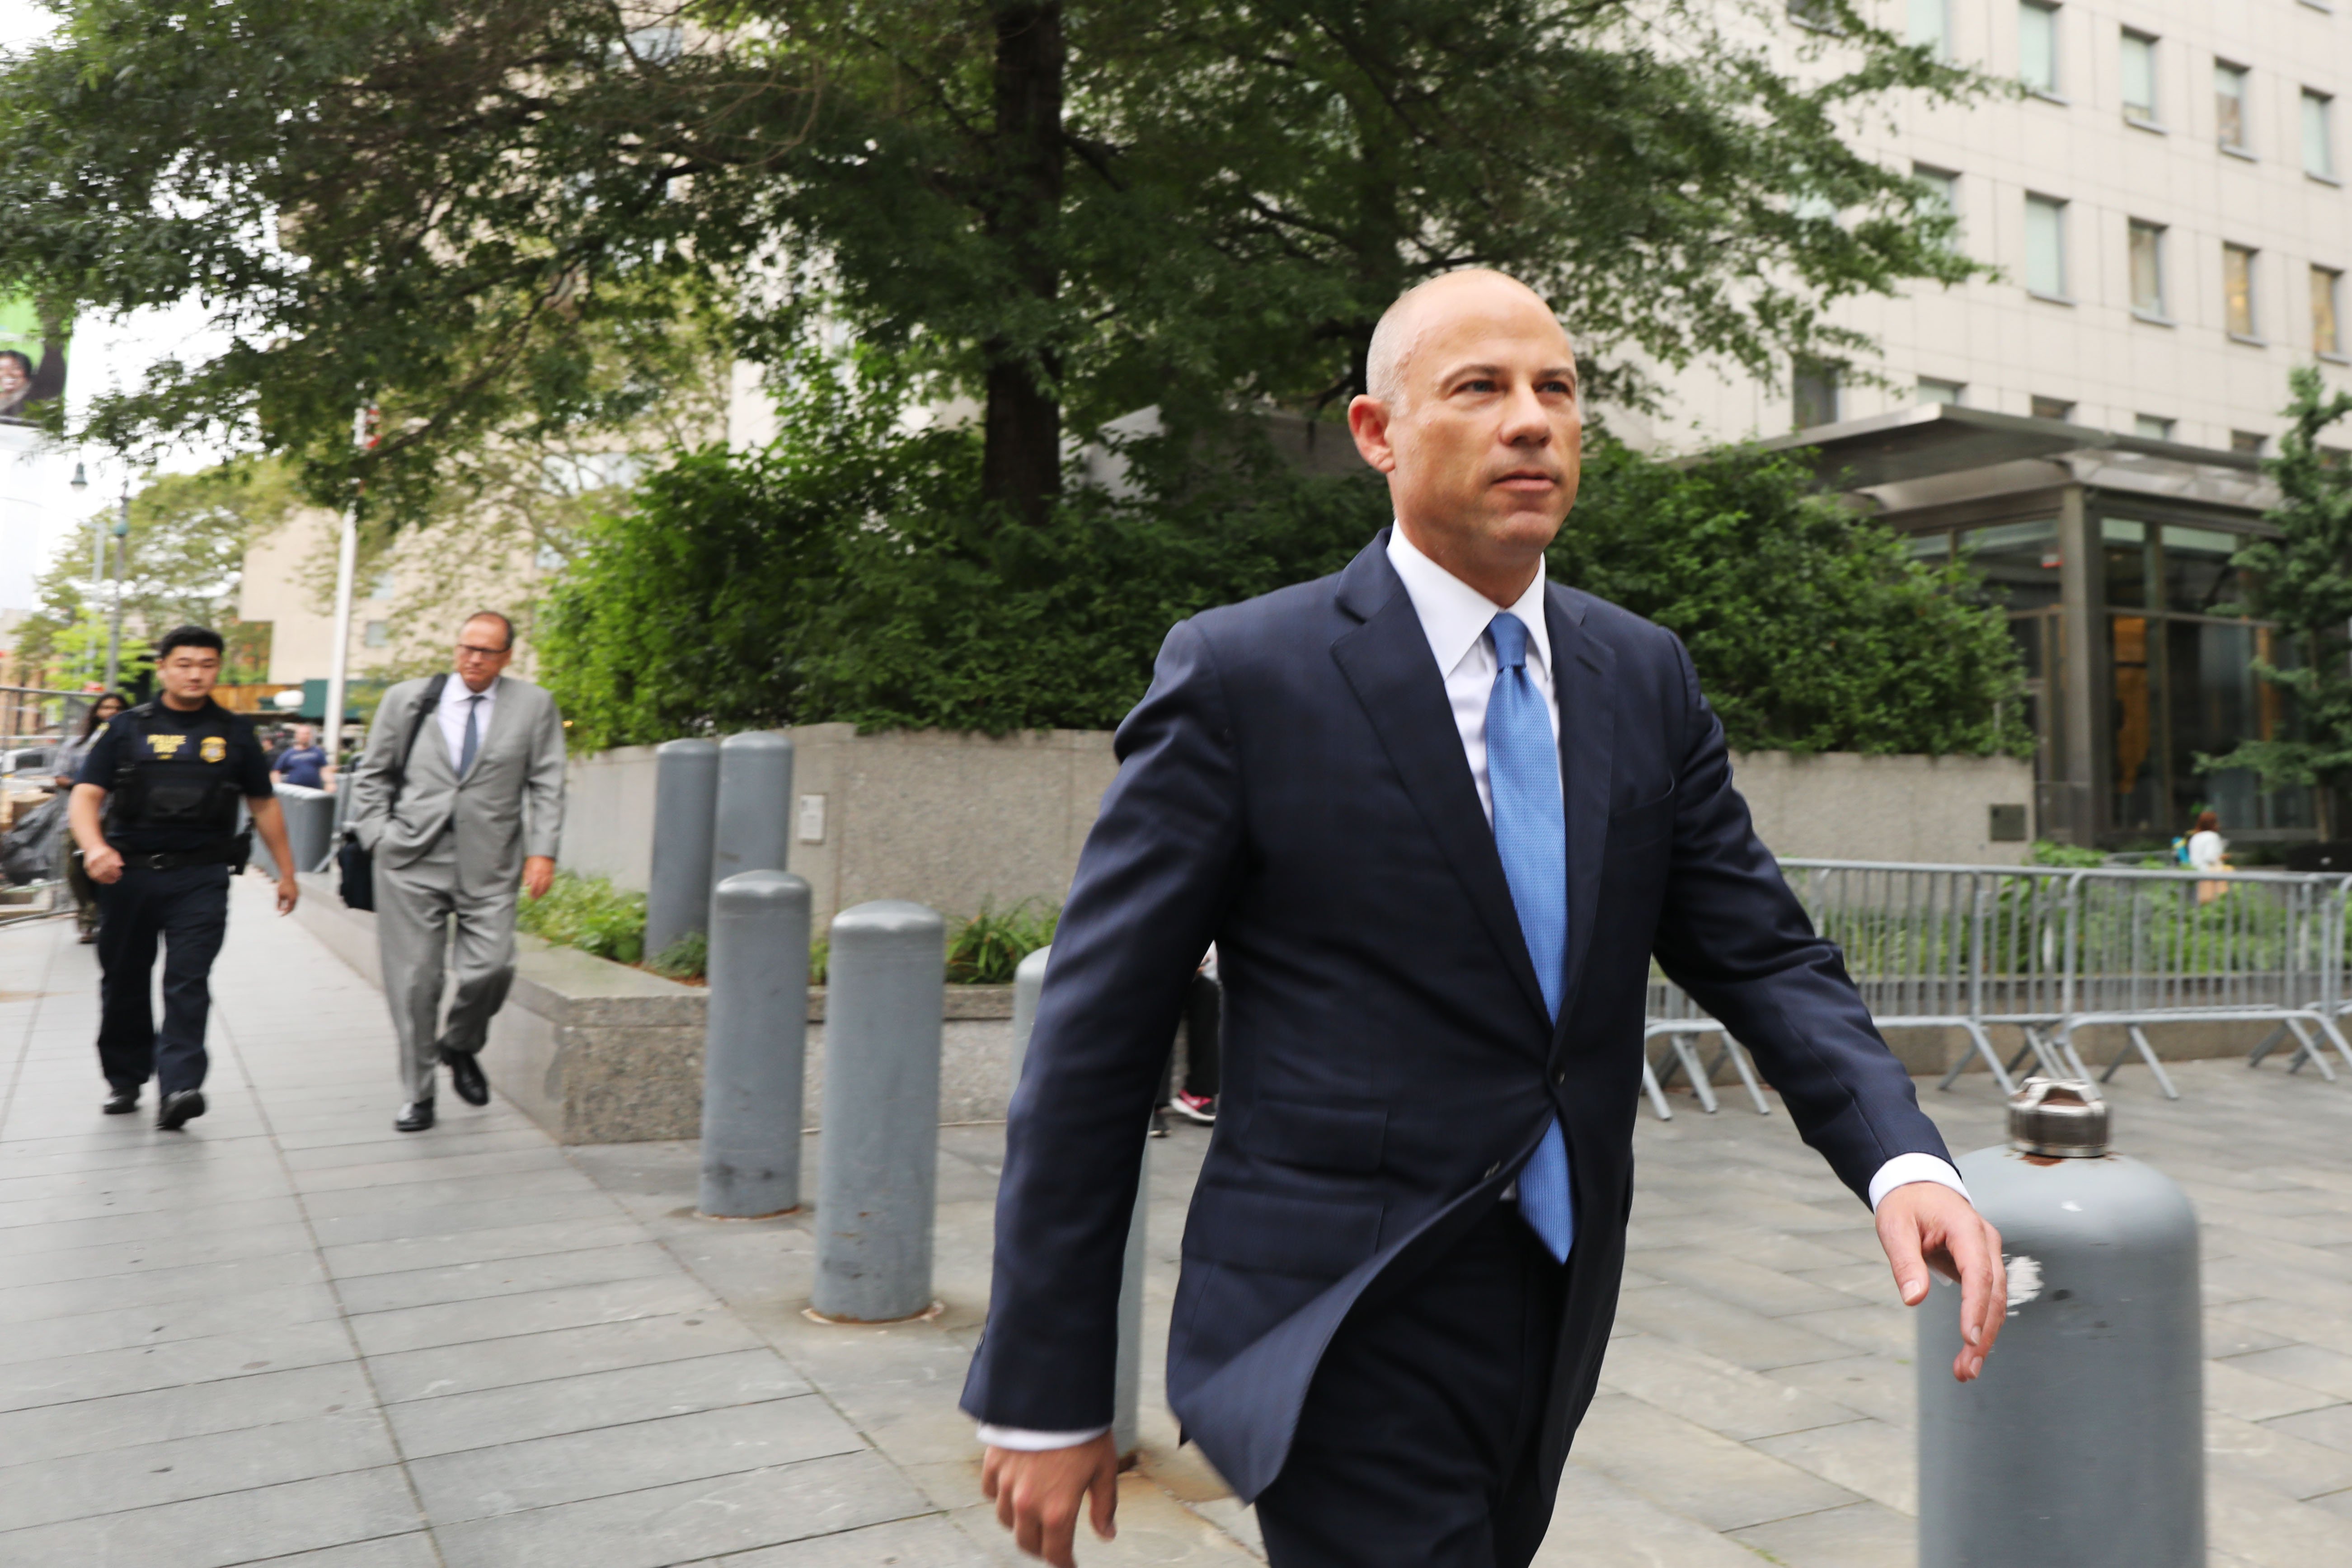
[179, 1106]
[121, 1102]
[414, 1117]
[466, 1076]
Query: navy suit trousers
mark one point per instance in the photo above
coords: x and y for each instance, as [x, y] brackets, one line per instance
[186, 911]
[1418, 1445]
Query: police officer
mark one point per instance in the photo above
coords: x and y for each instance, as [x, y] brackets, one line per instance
[154, 810]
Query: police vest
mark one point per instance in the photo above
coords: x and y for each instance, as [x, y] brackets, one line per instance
[169, 778]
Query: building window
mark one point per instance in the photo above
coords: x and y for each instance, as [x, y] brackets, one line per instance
[2318, 135]
[1931, 26]
[2248, 443]
[1813, 389]
[2053, 408]
[2326, 295]
[2238, 292]
[2140, 78]
[2037, 47]
[1934, 391]
[1940, 197]
[2147, 269]
[2151, 427]
[378, 634]
[2046, 246]
[2229, 116]
[1820, 13]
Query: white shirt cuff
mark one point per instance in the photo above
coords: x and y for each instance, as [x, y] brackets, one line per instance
[1020, 1439]
[1905, 1169]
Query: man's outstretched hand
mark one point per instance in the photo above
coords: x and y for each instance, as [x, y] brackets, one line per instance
[1038, 1495]
[1924, 1226]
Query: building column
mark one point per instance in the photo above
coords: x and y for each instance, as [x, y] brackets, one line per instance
[2081, 811]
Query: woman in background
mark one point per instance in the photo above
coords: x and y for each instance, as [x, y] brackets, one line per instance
[2207, 849]
[70, 760]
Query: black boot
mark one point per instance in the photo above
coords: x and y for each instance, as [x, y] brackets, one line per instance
[121, 1102]
[414, 1117]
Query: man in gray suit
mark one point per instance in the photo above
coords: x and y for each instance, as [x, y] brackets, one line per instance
[459, 797]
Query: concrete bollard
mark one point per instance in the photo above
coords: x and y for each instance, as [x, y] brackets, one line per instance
[685, 800]
[755, 1045]
[877, 1187]
[1127, 1399]
[2084, 1442]
[752, 829]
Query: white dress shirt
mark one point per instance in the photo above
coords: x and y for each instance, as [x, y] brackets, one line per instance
[1454, 617]
[455, 696]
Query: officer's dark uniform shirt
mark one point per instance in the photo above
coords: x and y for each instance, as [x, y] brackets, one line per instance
[183, 737]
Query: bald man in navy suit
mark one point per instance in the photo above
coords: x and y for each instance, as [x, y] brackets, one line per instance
[1438, 814]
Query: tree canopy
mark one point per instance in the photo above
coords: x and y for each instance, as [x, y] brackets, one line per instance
[2303, 581]
[181, 562]
[1067, 209]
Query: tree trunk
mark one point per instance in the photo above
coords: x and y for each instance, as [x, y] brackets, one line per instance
[1020, 465]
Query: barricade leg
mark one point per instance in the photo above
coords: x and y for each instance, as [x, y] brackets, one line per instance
[1738, 1056]
[2254, 1057]
[2308, 1050]
[2137, 1041]
[1689, 1059]
[1980, 1045]
[2336, 1038]
[1654, 1090]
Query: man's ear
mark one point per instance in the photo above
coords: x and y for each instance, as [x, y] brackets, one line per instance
[1367, 421]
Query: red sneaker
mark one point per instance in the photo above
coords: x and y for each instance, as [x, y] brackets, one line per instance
[1200, 1108]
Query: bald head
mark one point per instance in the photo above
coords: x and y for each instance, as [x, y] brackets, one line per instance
[1406, 323]
[1474, 415]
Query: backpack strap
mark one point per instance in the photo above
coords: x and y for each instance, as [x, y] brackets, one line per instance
[425, 706]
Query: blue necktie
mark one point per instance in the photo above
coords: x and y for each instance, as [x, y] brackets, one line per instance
[473, 736]
[1531, 833]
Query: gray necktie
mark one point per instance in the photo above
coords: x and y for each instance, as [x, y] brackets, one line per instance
[473, 736]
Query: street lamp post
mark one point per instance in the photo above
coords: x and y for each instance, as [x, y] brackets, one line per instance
[114, 628]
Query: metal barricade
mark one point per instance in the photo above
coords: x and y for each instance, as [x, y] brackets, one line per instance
[2050, 951]
[2169, 947]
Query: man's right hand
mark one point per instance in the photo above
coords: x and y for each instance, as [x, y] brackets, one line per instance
[104, 863]
[1038, 1495]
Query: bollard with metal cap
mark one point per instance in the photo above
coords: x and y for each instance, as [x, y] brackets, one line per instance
[755, 1045]
[685, 800]
[1126, 1400]
[753, 814]
[878, 1179]
[2083, 1442]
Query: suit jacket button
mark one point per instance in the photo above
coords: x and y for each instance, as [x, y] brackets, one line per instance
[1559, 1078]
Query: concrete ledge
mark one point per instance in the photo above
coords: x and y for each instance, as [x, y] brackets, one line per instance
[597, 1052]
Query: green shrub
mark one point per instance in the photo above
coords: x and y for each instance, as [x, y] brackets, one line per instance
[851, 572]
[987, 948]
[820, 950]
[2073, 857]
[591, 914]
[687, 958]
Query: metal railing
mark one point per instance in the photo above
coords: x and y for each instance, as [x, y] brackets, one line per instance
[2050, 951]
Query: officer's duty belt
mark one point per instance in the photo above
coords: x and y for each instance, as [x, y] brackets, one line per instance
[227, 852]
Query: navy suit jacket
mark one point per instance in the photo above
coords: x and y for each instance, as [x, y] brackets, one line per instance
[1293, 786]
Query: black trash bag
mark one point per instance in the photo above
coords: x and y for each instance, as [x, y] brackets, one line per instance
[28, 851]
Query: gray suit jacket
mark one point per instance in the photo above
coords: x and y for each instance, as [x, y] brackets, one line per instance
[509, 806]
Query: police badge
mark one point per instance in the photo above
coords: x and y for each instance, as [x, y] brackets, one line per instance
[214, 749]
